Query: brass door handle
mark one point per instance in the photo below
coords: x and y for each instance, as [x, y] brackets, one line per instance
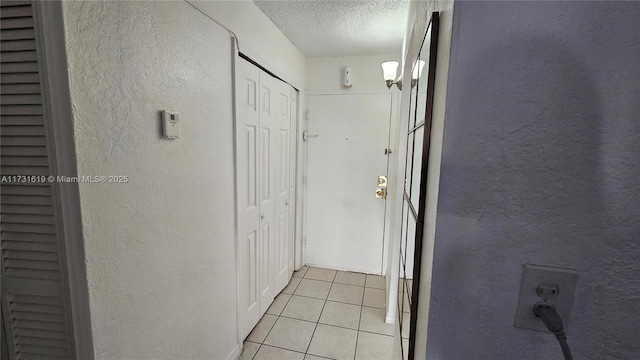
[382, 181]
[381, 193]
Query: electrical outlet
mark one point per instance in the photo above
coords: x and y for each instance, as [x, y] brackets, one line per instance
[545, 283]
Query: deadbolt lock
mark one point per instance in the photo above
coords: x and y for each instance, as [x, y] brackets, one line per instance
[382, 181]
[381, 193]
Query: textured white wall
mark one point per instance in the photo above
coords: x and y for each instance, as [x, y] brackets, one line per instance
[159, 249]
[264, 43]
[259, 38]
[539, 165]
[325, 73]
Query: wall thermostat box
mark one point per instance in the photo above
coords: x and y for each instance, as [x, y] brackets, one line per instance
[170, 124]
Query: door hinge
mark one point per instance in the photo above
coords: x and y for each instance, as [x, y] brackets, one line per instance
[305, 240]
[305, 179]
[306, 115]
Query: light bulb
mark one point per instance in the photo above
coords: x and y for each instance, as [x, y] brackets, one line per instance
[417, 70]
[389, 70]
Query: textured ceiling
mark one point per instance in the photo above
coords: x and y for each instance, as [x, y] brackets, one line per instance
[337, 28]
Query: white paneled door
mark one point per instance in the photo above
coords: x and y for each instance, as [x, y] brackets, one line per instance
[247, 132]
[292, 176]
[266, 164]
[347, 138]
[263, 156]
[282, 127]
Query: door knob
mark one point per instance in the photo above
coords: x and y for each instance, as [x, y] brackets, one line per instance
[381, 193]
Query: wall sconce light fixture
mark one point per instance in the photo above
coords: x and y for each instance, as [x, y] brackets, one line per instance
[390, 72]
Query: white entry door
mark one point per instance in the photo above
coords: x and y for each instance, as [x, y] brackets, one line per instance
[347, 138]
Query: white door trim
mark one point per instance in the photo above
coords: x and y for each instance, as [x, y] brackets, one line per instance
[57, 100]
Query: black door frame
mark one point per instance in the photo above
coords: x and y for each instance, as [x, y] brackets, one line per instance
[422, 203]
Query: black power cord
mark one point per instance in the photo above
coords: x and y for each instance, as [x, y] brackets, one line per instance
[552, 320]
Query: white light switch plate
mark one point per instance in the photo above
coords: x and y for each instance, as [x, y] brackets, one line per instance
[532, 276]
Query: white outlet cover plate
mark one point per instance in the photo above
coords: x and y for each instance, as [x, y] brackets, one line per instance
[532, 276]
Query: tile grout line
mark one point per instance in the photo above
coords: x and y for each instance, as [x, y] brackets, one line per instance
[315, 328]
[294, 290]
[365, 286]
[274, 324]
[321, 311]
[314, 331]
[332, 282]
[282, 348]
[317, 323]
[254, 355]
[355, 352]
[333, 325]
[341, 302]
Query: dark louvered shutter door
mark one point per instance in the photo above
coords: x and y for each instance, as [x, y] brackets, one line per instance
[35, 304]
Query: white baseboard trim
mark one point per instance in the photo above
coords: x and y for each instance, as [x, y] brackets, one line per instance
[344, 269]
[235, 353]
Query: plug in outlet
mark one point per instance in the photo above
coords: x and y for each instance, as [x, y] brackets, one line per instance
[549, 284]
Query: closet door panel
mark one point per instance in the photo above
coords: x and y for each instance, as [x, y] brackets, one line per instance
[263, 156]
[268, 169]
[283, 127]
[247, 157]
[292, 175]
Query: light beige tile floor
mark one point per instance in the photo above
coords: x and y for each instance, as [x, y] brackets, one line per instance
[324, 314]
